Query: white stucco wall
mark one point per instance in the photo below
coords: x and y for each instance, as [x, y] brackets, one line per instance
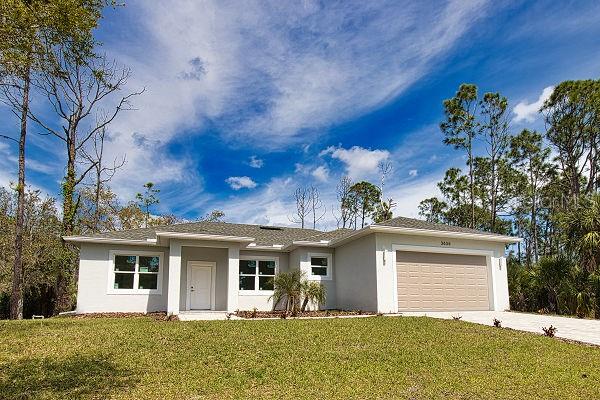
[363, 274]
[92, 285]
[299, 259]
[502, 301]
[356, 277]
[386, 272]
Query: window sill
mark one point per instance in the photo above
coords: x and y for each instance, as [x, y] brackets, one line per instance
[255, 293]
[134, 291]
[319, 278]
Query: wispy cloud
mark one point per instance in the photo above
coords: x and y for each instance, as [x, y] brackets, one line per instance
[321, 173]
[256, 162]
[272, 204]
[274, 69]
[240, 182]
[268, 74]
[528, 112]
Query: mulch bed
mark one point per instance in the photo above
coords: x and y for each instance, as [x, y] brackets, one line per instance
[158, 316]
[306, 314]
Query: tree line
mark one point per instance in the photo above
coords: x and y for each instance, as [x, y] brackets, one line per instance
[359, 203]
[48, 55]
[54, 80]
[541, 186]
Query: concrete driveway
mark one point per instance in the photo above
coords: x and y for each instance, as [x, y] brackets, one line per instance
[583, 330]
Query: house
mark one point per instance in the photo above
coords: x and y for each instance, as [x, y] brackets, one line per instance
[399, 265]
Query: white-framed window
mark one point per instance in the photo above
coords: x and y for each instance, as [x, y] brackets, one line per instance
[256, 274]
[135, 272]
[319, 266]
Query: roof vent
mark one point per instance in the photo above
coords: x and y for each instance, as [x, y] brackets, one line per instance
[271, 228]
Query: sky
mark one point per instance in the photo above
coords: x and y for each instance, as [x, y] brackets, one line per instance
[245, 101]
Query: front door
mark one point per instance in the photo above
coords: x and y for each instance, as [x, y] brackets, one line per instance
[200, 287]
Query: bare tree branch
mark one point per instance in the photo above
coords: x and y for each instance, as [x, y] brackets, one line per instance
[315, 205]
[302, 206]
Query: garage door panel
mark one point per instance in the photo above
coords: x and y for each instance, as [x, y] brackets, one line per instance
[433, 281]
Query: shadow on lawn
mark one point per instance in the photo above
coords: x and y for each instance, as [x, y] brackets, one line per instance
[77, 377]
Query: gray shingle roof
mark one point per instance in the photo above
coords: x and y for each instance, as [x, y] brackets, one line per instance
[403, 222]
[331, 235]
[268, 236]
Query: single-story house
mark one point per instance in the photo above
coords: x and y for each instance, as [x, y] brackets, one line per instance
[399, 265]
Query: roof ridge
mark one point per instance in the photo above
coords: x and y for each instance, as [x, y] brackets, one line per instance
[157, 227]
[434, 225]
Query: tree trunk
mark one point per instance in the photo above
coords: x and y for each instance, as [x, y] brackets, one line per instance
[472, 189]
[363, 212]
[96, 227]
[63, 300]
[16, 296]
[69, 189]
[304, 304]
[519, 244]
[494, 196]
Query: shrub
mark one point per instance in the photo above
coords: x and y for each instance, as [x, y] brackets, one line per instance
[549, 331]
[296, 292]
[313, 292]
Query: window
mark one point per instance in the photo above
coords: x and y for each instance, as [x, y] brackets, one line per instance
[135, 273]
[257, 273]
[319, 267]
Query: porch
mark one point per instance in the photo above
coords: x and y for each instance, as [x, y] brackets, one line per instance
[199, 315]
[203, 278]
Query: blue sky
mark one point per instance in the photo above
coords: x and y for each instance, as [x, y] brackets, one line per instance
[245, 101]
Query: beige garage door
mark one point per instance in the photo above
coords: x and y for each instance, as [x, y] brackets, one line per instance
[441, 282]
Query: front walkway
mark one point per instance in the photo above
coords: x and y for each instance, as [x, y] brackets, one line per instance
[582, 330]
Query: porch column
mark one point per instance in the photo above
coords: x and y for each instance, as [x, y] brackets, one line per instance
[174, 278]
[233, 278]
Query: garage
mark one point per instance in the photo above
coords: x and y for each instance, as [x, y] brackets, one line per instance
[442, 282]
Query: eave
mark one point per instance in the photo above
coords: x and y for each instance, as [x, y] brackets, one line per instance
[205, 236]
[425, 232]
[88, 239]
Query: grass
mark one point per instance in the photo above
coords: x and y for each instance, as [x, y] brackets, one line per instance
[378, 357]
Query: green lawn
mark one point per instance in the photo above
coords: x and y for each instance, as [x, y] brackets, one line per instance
[378, 357]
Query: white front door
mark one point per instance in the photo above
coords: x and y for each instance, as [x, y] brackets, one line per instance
[200, 287]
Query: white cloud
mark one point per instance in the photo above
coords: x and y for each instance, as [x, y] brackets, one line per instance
[301, 169]
[256, 162]
[269, 70]
[275, 69]
[413, 173]
[360, 163]
[321, 173]
[408, 196]
[271, 205]
[528, 112]
[239, 182]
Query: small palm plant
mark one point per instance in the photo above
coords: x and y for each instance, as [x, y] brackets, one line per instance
[287, 286]
[313, 292]
[297, 292]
